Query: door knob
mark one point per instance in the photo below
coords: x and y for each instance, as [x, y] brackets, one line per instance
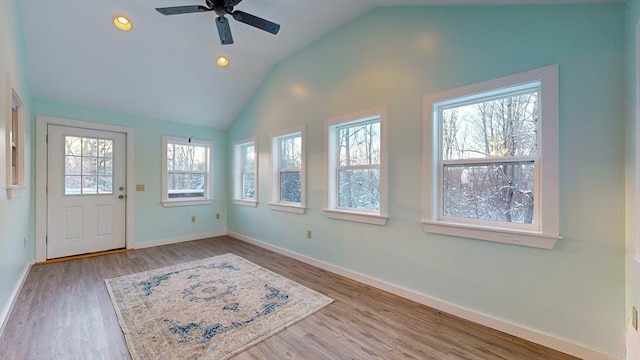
[121, 197]
[121, 188]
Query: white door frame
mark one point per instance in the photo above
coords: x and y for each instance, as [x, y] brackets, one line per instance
[42, 122]
[633, 251]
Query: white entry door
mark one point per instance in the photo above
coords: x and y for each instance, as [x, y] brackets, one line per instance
[86, 195]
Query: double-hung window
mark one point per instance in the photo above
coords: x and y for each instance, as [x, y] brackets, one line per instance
[357, 166]
[491, 155]
[288, 176]
[186, 169]
[15, 146]
[245, 172]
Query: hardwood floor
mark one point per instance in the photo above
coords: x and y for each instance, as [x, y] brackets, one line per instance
[64, 312]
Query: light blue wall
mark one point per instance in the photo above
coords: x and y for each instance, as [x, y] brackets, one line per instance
[16, 216]
[153, 222]
[632, 266]
[395, 56]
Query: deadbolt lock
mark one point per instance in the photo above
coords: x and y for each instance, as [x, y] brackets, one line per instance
[121, 188]
[121, 197]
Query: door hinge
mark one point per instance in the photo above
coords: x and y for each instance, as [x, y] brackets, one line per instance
[46, 189]
[46, 239]
[47, 139]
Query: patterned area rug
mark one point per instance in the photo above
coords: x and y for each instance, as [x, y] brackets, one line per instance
[207, 309]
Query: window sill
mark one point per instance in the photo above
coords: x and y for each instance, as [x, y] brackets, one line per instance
[295, 209]
[514, 237]
[356, 216]
[15, 191]
[170, 203]
[241, 202]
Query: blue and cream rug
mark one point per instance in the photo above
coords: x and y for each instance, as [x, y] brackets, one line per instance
[207, 309]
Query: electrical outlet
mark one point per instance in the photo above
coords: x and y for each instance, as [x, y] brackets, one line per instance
[140, 187]
[193, 218]
[308, 234]
[217, 216]
[24, 242]
[634, 317]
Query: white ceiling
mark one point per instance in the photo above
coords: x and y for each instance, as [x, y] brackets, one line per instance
[165, 67]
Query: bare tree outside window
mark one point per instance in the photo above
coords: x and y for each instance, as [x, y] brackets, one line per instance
[359, 166]
[187, 170]
[290, 173]
[248, 169]
[488, 150]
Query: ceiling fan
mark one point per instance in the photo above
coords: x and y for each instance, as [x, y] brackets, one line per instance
[222, 8]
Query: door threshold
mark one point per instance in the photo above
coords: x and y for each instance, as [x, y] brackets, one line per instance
[83, 256]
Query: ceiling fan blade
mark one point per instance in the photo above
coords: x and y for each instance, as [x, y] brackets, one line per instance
[174, 10]
[224, 30]
[255, 21]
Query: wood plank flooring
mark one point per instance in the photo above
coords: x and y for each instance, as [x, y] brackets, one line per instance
[64, 312]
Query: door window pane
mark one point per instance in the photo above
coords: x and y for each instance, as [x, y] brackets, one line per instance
[72, 185]
[73, 145]
[89, 147]
[89, 184]
[89, 166]
[73, 165]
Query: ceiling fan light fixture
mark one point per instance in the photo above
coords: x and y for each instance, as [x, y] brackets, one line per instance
[222, 61]
[122, 23]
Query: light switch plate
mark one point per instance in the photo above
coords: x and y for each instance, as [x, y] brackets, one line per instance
[140, 187]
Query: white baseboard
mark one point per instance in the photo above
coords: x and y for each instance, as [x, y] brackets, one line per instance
[179, 239]
[550, 341]
[8, 308]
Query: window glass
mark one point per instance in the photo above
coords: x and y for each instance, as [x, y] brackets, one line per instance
[287, 172]
[357, 169]
[495, 192]
[88, 166]
[491, 160]
[245, 187]
[500, 128]
[291, 152]
[187, 173]
[359, 144]
[186, 164]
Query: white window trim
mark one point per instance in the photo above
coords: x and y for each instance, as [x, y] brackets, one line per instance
[330, 209]
[14, 97]
[545, 233]
[275, 203]
[208, 199]
[237, 174]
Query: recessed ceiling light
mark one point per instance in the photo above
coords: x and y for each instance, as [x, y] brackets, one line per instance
[222, 61]
[122, 23]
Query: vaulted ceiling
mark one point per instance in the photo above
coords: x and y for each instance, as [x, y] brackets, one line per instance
[164, 68]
